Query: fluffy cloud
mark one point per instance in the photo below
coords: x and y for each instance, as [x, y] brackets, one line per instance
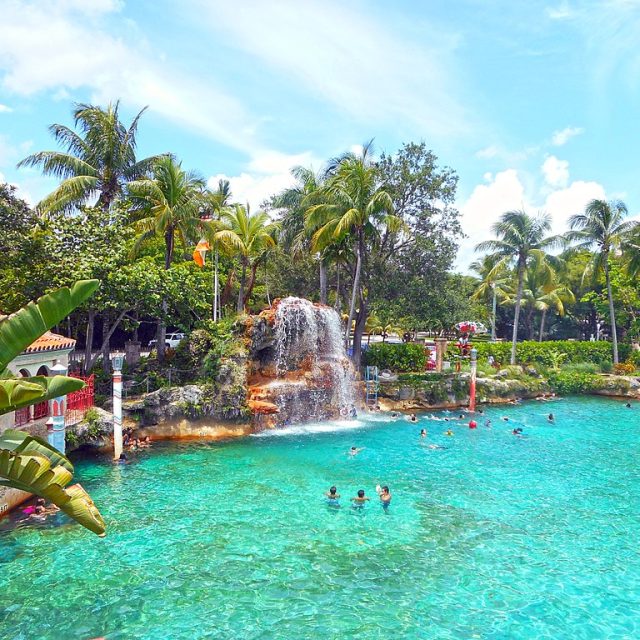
[267, 174]
[561, 137]
[556, 172]
[5, 109]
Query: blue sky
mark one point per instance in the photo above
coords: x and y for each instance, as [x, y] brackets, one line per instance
[534, 104]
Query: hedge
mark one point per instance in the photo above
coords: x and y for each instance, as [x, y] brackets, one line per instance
[545, 353]
[396, 357]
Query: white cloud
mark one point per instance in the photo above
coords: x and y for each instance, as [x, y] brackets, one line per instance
[560, 12]
[5, 109]
[562, 137]
[563, 203]
[341, 53]
[267, 174]
[556, 172]
[64, 45]
[488, 152]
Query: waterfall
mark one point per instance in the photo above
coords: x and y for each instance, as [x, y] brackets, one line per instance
[308, 338]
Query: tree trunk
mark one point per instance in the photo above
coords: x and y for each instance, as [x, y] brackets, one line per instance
[108, 334]
[243, 277]
[161, 332]
[612, 312]
[530, 330]
[250, 284]
[544, 315]
[493, 315]
[361, 320]
[215, 287]
[337, 303]
[323, 282]
[225, 298]
[91, 320]
[516, 317]
[104, 350]
[355, 290]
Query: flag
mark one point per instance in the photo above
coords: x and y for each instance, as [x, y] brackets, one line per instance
[201, 249]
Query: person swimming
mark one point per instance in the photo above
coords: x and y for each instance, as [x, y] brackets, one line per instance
[423, 433]
[448, 432]
[333, 497]
[354, 451]
[436, 446]
[628, 405]
[517, 432]
[413, 418]
[385, 496]
[394, 415]
[353, 412]
[359, 501]
[551, 418]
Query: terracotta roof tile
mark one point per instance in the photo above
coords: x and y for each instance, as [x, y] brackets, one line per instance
[50, 342]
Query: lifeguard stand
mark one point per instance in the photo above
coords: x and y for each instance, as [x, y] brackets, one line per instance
[371, 386]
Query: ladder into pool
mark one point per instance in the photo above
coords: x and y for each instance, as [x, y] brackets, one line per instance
[371, 386]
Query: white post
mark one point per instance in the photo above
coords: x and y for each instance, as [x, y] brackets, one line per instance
[117, 407]
[55, 424]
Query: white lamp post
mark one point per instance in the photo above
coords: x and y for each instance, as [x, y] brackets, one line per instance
[117, 362]
[55, 424]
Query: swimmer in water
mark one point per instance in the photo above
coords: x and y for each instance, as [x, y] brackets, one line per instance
[487, 423]
[448, 432]
[517, 431]
[628, 405]
[551, 418]
[359, 500]
[394, 415]
[423, 433]
[413, 418]
[354, 451]
[385, 496]
[352, 412]
[436, 446]
[333, 497]
[505, 418]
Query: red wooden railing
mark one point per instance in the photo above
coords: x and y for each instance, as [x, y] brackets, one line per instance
[79, 401]
[22, 416]
[41, 410]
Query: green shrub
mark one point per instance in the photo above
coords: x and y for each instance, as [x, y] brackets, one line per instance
[567, 382]
[548, 353]
[396, 357]
[582, 367]
[606, 366]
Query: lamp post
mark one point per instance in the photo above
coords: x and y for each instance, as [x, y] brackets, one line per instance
[55, 424]
[493, 312]
[117, 361]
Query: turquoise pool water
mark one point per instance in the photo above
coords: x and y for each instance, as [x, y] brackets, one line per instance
[493, 537]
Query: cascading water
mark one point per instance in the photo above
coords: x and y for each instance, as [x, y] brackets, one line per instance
[313, 376]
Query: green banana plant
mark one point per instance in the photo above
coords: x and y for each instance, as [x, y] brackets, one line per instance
[33, 465]
[19, 330]
[26, 462]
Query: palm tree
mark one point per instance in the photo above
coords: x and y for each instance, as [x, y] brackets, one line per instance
[521, 238]
[602, 225]
[294, 235]
[167, 205]
[97, 162]
[354, 204]
[249, 236]
[493, 280]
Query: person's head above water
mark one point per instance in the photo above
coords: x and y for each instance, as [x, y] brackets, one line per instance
[628, 405]
[333, 490]
[385, 489]
[360, 493]
[550, 416]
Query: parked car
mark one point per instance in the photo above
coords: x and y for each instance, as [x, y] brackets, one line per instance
[171, 340]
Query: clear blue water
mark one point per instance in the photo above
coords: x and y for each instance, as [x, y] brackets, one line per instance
[493, 537]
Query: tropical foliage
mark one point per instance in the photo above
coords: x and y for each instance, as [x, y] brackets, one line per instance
[28, 463]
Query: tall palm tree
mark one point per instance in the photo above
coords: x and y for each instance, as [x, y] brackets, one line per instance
[249, 236]
[493, 278]
[168, 205]
[293, 233]
[355, 204]
[602, 226]
[521, 238]
[97, 162]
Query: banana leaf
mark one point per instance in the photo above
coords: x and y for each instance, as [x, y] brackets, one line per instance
[20, 329]
[24, 443]
[16, 393]
[25, 468]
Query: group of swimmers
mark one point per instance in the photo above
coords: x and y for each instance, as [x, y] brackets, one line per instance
[358, 501]
[132, 444]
